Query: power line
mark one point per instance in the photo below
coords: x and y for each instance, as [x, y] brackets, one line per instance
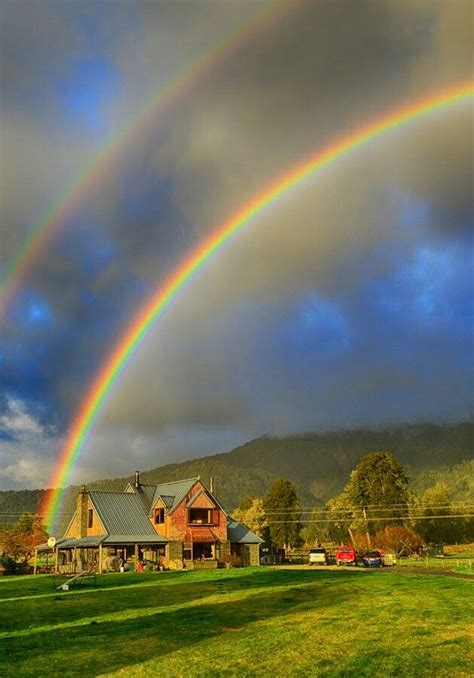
[380, 519]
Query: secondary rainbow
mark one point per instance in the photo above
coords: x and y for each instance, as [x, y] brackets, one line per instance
[88, 176]
[151, 311]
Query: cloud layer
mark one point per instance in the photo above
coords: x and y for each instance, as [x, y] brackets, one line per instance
[347, 302]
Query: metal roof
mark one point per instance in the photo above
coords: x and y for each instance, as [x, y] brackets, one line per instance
[167, 500]
[146, 492]
[45, 547]
[135, 539]
[175, 490]
[82, 542]
[122, 513]
[239, 534]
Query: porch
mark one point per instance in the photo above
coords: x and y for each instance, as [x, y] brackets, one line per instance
[72, 556]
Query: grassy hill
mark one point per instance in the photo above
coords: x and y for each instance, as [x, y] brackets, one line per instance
[317, 463]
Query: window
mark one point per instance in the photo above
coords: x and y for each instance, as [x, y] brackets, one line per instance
[203, 551]
[159, 516]
[199, 516]
[90, 517]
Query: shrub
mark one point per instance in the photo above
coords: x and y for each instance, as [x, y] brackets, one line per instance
[10, 565]
[231, 560]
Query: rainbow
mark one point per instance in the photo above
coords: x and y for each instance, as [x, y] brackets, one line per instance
[151, 311]
[88, 176]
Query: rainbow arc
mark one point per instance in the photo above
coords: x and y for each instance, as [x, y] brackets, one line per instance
[167, 292]
[158, 102]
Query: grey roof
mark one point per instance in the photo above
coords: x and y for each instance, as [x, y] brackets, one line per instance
[145, 492]
[175, 490]
[122, 515]
[135, 539]
[167, 500]
[239, 534]
[148, 491]
[45, 547]
[81, 542]
[69, 543]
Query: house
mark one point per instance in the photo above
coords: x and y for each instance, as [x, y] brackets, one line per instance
[176, 524]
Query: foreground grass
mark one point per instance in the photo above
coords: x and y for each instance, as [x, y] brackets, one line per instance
[249, 622]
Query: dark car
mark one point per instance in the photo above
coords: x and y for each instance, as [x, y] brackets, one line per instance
[372, 559]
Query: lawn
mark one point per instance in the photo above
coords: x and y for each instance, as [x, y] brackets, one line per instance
[241, 622]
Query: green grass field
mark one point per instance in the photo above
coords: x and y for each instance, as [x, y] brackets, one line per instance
[242, 622]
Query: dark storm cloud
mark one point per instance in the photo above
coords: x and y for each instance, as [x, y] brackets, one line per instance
[346, 302]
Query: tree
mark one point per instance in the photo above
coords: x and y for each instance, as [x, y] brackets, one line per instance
[251, 513]
[341, 518]
[283, 511]
[434, 526]
[19, 542]
[316, 530]
[378, 488]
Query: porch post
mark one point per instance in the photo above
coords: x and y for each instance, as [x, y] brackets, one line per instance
[100, 558]
[36, 561]
[56, 559]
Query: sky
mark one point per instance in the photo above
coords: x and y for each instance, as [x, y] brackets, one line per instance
[347, 303]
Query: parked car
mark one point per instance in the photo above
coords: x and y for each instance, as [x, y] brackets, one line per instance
[346, 555]
[318, 556]
[388, 559]
[372, 559]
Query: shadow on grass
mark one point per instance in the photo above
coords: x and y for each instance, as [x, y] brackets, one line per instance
[98, 648]
[172, 590]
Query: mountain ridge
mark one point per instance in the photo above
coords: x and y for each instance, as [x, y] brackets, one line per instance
[318, 464]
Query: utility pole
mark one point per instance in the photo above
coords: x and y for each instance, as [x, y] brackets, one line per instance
[369, 545]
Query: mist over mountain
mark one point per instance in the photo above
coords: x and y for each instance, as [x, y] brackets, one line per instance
[317, 463]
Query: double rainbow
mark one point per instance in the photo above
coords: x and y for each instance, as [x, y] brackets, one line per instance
[130, 341]
[156, 103]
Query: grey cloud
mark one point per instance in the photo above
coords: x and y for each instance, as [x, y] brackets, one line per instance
[215, 365]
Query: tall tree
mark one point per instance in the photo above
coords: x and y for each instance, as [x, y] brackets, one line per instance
[378, 488]
[342, 520]
[283, 512]
[316, 530]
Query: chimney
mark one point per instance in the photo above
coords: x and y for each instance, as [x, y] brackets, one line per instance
[137, 479]
[81, 513]
[212, 485]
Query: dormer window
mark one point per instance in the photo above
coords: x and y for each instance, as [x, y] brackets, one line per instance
[159, 516]
[200, 516]
[90, 517]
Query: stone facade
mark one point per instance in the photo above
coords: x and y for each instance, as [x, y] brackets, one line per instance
[80, 525]
[251, 554]
[82, 513]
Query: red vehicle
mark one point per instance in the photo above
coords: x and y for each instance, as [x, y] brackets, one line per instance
[346, 555]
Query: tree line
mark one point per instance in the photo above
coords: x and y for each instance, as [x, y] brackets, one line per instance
[375, 507]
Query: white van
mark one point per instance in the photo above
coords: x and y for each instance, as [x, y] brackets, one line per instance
[318, 556]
